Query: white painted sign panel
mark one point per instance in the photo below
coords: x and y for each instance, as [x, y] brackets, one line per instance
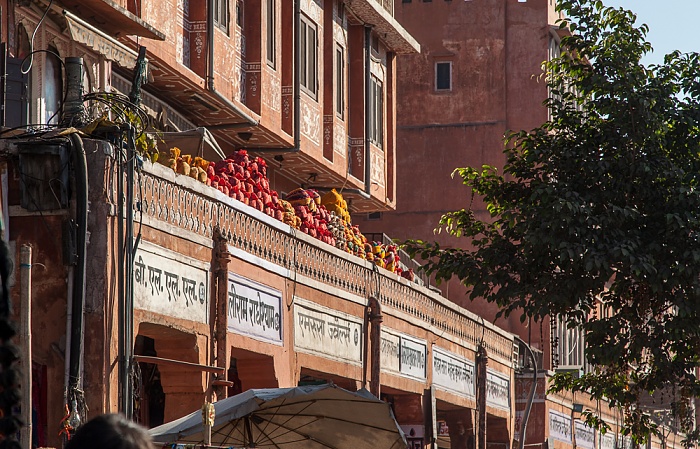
[607, 441]
[452, 372]
[585, 436]
[497, 390]
[171, 284]
[254, 309]
[414, 357]
[404, 355]
[559, 426]
[327, 332]
[391, 352]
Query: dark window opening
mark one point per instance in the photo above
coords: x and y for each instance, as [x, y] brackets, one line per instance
[237, 386]
[340, 81]
[239, 13]
[149, 399]
[221, 16]
[271, 33]
[308, 50]
[376, 131]
[443, 76]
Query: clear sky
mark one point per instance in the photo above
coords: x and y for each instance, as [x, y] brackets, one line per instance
[672, 24]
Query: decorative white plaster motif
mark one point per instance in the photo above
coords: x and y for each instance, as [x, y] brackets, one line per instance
[340, 139]
[310, 121]
[313, 9]
[275, 93]
[377, 168]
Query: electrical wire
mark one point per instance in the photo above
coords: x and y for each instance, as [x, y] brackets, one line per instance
[31, 42]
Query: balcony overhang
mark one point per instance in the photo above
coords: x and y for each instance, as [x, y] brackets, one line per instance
[371, 12]
[86, 34]
[112, 18]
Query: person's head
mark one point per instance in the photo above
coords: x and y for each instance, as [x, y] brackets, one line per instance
[110, 431]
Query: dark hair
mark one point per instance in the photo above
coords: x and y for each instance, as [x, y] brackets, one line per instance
[111, 431]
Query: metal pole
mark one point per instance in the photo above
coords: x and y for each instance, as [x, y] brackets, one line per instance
[26, 336]
[531, 397]
[3, 82]
[129, 272]
[481, 362]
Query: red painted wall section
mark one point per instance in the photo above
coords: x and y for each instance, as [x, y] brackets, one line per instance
[495, 49]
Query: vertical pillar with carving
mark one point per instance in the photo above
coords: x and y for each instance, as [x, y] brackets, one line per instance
[221, 258]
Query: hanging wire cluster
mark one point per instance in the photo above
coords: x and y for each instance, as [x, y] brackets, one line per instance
[118, 107]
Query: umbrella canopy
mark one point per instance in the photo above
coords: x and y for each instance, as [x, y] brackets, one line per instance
[309, 417]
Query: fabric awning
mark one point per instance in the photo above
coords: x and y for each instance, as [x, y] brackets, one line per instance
[110, 48]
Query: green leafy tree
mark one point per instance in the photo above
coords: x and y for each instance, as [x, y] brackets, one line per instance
[599, 208]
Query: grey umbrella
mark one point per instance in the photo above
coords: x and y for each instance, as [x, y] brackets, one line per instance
[308, 417]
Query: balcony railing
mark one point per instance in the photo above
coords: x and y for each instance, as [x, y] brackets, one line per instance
[192, 206]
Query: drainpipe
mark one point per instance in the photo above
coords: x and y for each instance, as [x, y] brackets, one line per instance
[296, 81]
[222, 259]
[368, 109]
[374, 310]
[210, 75]
[25, 265]
[128, 270]
[78, 298]
[481, 362]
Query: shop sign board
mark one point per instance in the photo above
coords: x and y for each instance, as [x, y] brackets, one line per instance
[404, 355]
[327, 332]
[497, 390]
[414, 357]
[171, 284]
[559, 426]
[585, 435]
[254, 309]
[453, 373]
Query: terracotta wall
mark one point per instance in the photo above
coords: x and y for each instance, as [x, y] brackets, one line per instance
[496, 49]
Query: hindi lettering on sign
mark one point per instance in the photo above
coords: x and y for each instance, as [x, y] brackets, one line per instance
[189, 290]
[338, 331]
[585, 436]
[327, 332]
[390, 349]
[139, 271]
[414, 356]
[559, 426]
[311, 325]
[254, 309]
[154, 280]
[172, 285]
[453, 372]
[497, 390]
[157, 286]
